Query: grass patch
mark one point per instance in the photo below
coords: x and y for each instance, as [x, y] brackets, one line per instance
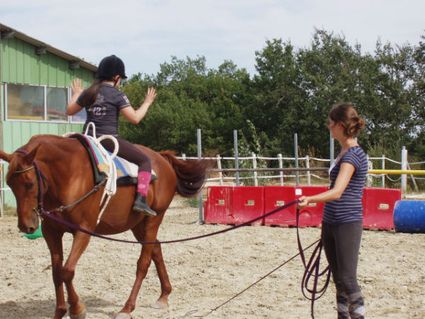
[192, 202]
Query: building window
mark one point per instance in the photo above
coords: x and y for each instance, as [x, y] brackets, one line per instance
[39, 103]
[80, 116]
[56, 104]
[25, 102]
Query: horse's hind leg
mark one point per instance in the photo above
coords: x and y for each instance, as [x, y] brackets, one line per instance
[145, 231]
[162, 301]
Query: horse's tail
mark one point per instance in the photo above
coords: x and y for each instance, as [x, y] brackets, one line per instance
[190, 173]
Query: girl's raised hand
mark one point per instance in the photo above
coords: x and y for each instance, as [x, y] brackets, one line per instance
[76, 86]
[150, 96]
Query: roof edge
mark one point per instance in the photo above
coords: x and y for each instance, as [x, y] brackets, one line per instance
[49, 48]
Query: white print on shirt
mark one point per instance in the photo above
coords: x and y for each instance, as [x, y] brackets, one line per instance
[97, 109]
[126, 99]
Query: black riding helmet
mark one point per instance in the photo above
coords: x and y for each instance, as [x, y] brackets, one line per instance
[109, 67]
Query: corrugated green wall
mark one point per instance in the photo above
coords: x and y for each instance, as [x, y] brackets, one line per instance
[19, 64]
[18, 133]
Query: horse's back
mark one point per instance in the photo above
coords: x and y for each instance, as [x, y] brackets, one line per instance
[54, 141]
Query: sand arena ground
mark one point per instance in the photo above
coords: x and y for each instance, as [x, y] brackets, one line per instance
[207, 272]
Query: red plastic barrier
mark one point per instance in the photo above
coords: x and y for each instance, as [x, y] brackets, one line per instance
[217, 208]
[274, 197]
[312, 214]
[378, 207]
[247, 204]
[234, 205]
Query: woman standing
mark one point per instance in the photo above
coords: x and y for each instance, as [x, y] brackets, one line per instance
[104, 103]
[343, 213]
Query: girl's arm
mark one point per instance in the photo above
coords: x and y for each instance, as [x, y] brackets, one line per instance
[135, 116]
[72, 106]
[342, 180]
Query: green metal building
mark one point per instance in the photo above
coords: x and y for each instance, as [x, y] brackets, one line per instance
[34, 91]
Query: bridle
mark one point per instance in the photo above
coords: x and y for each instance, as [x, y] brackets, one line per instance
[24, 170]
[41, 179]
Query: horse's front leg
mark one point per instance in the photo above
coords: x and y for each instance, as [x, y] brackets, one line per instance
[77, 310]
[53, 239]
[144, 231]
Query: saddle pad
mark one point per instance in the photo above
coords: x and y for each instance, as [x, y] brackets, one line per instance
[126, 171]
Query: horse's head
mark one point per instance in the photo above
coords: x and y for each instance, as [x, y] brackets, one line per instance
[22, 180]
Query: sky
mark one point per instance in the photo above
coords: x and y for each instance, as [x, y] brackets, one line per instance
[147, 33]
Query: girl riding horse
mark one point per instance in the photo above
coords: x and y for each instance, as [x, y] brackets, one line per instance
[103, 103]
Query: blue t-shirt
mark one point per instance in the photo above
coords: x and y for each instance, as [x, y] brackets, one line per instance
[104, 112]
[349, 207]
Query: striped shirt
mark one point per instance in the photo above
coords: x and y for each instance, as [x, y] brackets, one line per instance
[349, 207]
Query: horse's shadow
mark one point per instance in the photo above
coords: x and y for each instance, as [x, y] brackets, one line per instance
[42, 309]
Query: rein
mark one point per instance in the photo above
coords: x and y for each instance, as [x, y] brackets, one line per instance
[64, 207]
[49, 214]
[311, 268]
[89, 232]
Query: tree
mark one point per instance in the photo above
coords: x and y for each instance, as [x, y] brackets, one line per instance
[190, 97]
[276, 104]
[292, 92]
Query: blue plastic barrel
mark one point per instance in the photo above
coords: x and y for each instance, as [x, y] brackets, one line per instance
[409, 216]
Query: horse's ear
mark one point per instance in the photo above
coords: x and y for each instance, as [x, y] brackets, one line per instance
[29, 158]
[4, 156]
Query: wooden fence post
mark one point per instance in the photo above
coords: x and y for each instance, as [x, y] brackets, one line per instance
[307, 165]
[383, 167]
[279, 158]
[254, 166]
[220, 174]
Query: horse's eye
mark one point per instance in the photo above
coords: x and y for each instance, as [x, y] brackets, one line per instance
[29, 185]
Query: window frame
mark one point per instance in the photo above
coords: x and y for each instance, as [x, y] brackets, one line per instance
[69, 118]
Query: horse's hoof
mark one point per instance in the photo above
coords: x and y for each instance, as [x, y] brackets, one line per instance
[60, 313]
[123, 315]
[160, 305]
[81, 315]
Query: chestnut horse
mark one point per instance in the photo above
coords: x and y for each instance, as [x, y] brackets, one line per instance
[54, 171]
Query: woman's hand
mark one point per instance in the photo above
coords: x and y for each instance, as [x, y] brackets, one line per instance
[76, 87]
[150, 97]
[303, 201]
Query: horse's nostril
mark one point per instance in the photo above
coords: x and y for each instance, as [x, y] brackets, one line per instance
[31, 230]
